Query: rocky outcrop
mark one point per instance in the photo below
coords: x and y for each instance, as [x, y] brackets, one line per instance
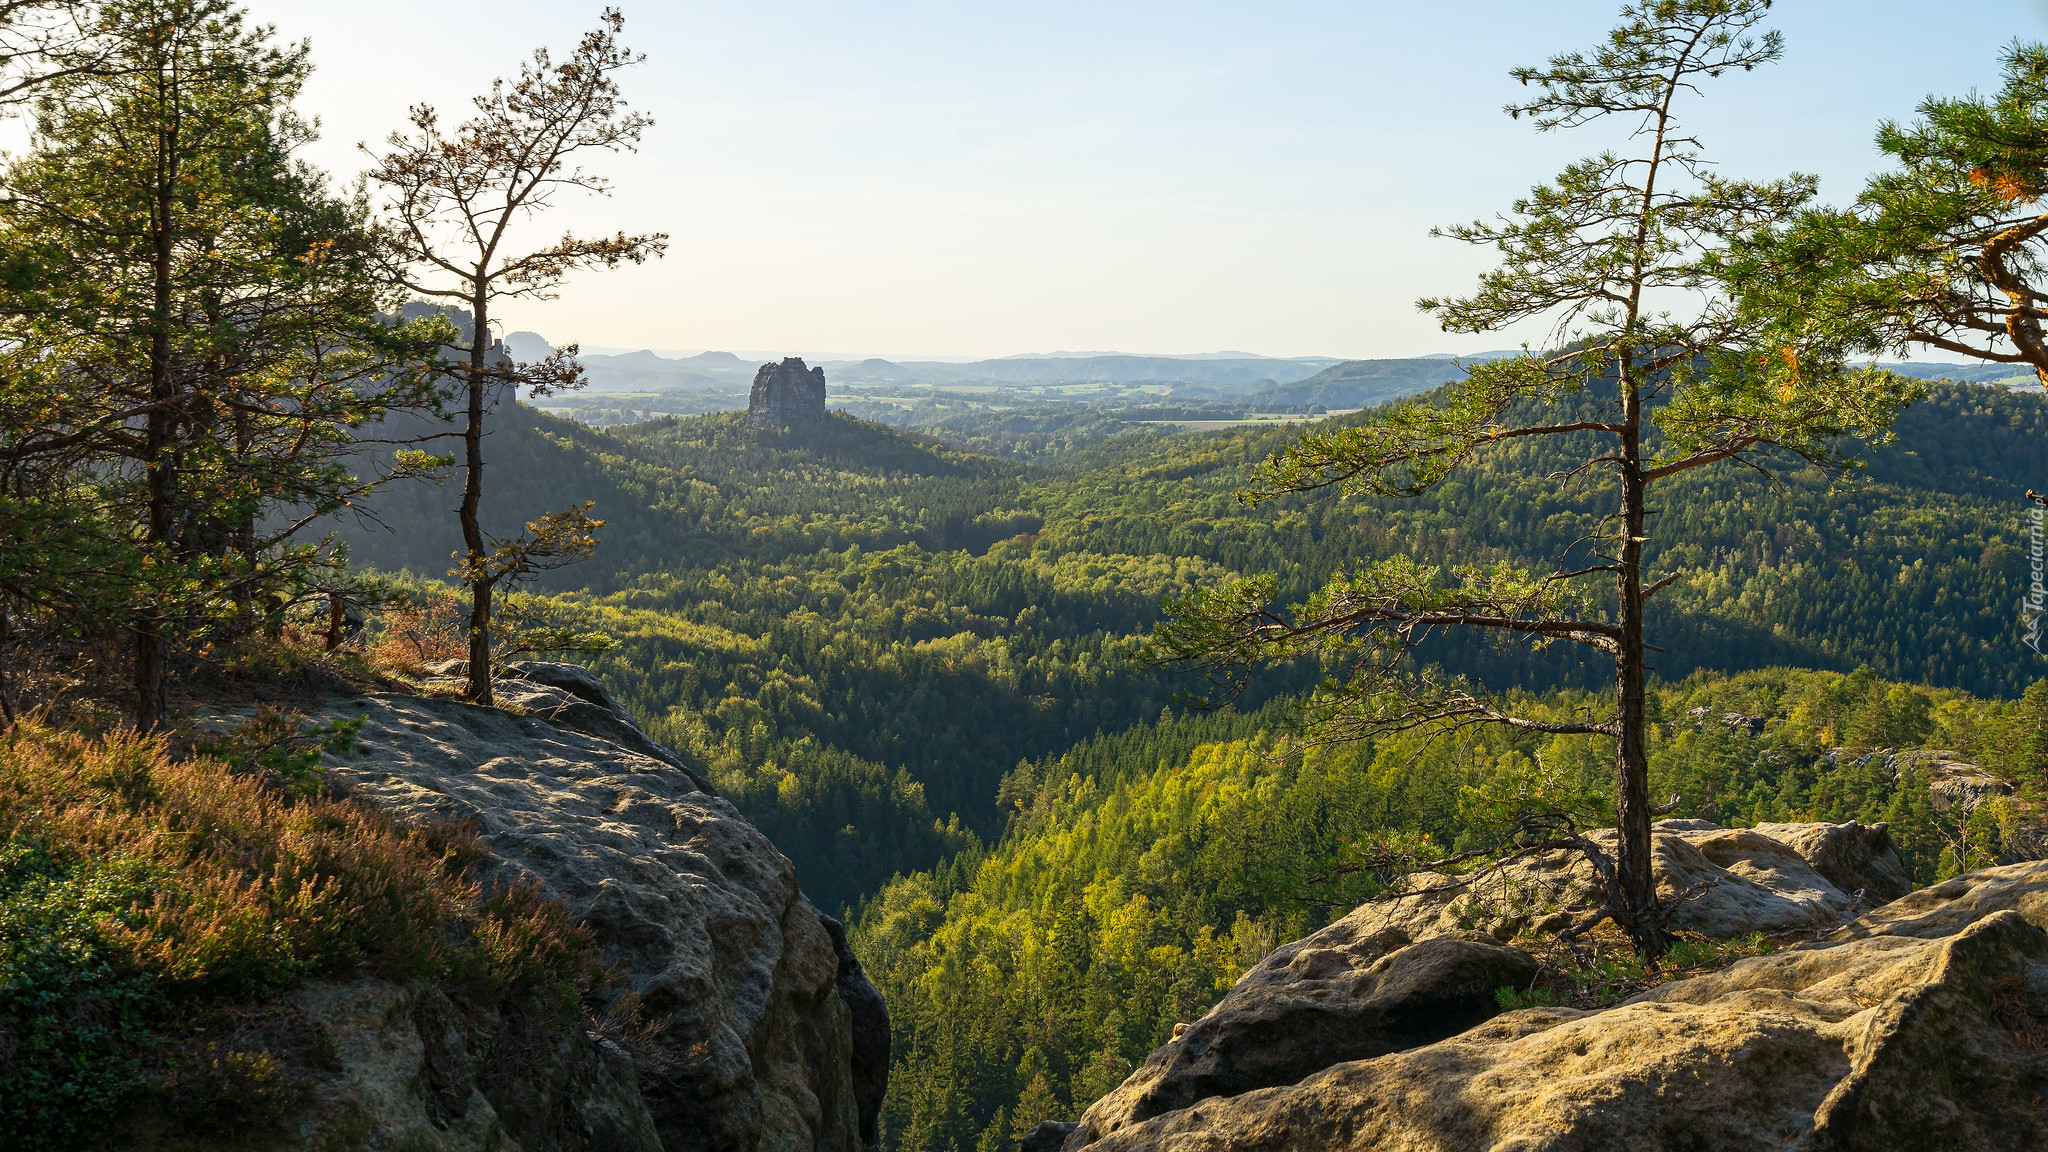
[1724, 881]
[1922, 1023]
[1334, 996]
[1739, 723]
[787, 395]
[402, 1067]
[743, 1038]
[869, 1016]
[1853, 857]
[1047, 1136]
[572, 696]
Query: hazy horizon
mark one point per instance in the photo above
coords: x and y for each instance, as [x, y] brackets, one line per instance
[1936, 357]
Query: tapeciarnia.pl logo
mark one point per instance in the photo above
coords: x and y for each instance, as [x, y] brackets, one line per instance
[2034, 604]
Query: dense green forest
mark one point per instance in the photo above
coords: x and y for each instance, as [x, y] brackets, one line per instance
[860, 631]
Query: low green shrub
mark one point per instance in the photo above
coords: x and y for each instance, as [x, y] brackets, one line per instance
[281, 748]
[75, 1010]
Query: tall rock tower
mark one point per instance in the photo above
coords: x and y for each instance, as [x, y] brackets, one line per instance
[787, 395]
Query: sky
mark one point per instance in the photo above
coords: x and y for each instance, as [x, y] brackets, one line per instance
[976, 179]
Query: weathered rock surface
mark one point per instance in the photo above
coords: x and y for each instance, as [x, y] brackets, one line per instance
[1853, 857]
[401, 1067]
[1408, 971]
[1731, 881]
[787, 395]
[1334, 996]
[1921, 1025]
[1046, 1136]
[869, 1016]
[750, 1044]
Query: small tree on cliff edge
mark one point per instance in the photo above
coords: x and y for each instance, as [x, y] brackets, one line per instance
[1637, 392]
[453, 199]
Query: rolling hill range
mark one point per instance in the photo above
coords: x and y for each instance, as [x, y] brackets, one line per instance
[647, 371]
[1359, 384]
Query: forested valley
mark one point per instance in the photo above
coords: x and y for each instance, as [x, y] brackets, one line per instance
[922, 672]
[861, 632]
[1067, 714]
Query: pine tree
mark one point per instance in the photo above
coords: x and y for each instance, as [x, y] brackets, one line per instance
[453, 201]
[191, 326]
[1654, 370]
[1945, 250]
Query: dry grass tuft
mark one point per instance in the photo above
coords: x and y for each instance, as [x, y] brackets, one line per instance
[189, 886]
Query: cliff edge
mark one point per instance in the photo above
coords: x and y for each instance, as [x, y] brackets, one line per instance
[733, 1018]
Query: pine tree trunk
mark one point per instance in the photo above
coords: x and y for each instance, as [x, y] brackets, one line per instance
[337, 620]
[245, 543]
[1631, 760]
[152, 645]
[472, 498]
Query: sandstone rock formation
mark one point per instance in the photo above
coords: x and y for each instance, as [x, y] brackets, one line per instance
[787, 395]
[869, 1016]
[572, 696]
[1047, 1135]
[394, 1066]
[1852, 857]
[1740, 723]
[1920, 1024]
[1727, 881]
[748, 1041]
[1334, 996]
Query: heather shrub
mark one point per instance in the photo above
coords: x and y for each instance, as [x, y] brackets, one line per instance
[139, 893]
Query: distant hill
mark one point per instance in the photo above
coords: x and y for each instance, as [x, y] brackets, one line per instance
[648, 371]
[645, 371]
[1965, 373]
[527, 347]
[688, 490]
[1120, 369]
[1360, 384]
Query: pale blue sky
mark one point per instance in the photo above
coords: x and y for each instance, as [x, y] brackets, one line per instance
[967, 179]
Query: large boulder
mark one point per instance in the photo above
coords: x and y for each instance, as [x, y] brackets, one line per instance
[746, 1042]
[1856, 858]
[1724, 882]
[1922, 1024]
[1333, 996]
